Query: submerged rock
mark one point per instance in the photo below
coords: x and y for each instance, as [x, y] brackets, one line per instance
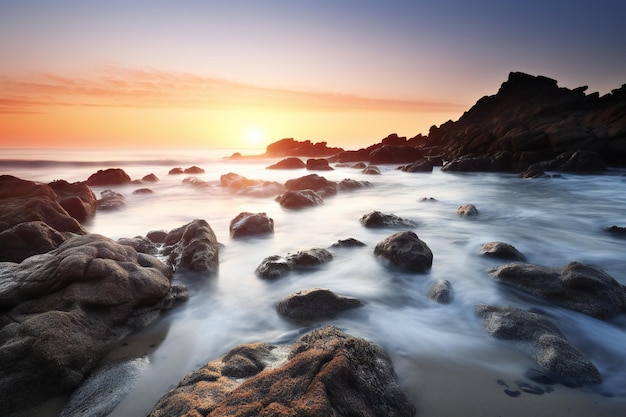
[276, 266]
[309, 182]
[348, 184]
[406, 251]
[441, 291]
[111, 200]
[467, 210]
[300, 199]
[288, 163]
[250, 224]
[324, 373]
[539, 338]
[111, 176]
[193, 247]
[376, 219]
[502, 250]
[257, 188]
[314, 304]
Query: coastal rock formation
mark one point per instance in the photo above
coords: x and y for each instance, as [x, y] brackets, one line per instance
[27, 239]
[62, 311]
[288, 163]
[398, 154]
[406, 251]
[441, 291]
[276, 266]
[193, 247]
[26, 201]
[291, 147]
[250, 224]
[502, 250]
[76, 198]
[111, 176]
[300, 199]
[577, 286]
[111, 200]
[314, 304]
[376, 219]
[318, 164]
[324, 373]
[539, 338]
[422, 165]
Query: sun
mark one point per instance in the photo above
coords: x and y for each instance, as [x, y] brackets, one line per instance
[255, 137]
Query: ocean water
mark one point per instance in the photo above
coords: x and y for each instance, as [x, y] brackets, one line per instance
[447, 364]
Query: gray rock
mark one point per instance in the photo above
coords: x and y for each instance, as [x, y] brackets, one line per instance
[406, 251]
[193, 247]
[580, 287]
[111, 200]
[347, 243]
[314, 304]
[441, 291]
[376, 219]
[467, 210]
[300, 199]
[502, 250]
[27, 239]
[276, 266]
[251, 224]
[539, 338]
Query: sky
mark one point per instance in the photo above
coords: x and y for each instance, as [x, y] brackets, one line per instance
[243, 74]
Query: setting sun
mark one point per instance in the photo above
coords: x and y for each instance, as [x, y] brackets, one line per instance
[255, 137]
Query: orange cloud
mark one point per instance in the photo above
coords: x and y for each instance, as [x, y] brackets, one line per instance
[136, 88]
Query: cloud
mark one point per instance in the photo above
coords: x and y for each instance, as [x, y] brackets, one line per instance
[139, 88]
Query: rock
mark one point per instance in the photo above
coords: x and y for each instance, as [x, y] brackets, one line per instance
[347, 243]
[140, 191]
[76, 198]
[467, 210]
[291, 147]
[616, 230]
[502, 250]
[140, 244]
[406, 251]
[324, 373]
[300, 199]
[193, 170]
[314, 304]
[176, 171]
[111, 176]
[26, 201]
[423, 165]
[61, 312]
[276, 266]
[376, 219]
[193, 247]
[580, 287]
[371, 170]
[319, 164]
[348, 184]
[579, 161]
[250, 224]
[27, 239]
[441, 291]
[542, 341]
[256, 188]
[388, 154]
[288, 163]
[111, 200]
[309, 182]
[150, 178]
[157, 236]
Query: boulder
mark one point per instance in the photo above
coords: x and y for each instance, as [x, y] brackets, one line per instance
[318, 164]
[27, 239]
[176, 171]
[111, 176]
[423, 165]
[314, 304]
[406, 251]
[616, 230]
[193, 170]
[26, 201]
[111, 200]
[61, 312]
[251, 224]
[577, 286]
[276, 266]
[300, 199]
[150, 178]
[388, 154]
[376, 219]
[76, 198]
[288, 163]
[539, 338]
[142, 191]
[441, 291]
[502, 250]
[251, 187]
[348, 243]
[371, 170]
[348, 184]
[324, 373]
[157, 236]
[193, 247]
[309, 182]
[140, 244]
[467, 210]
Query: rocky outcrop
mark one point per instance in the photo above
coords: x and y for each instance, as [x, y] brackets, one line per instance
[251, 224]
[324, 373]
[76, 198]
[388, 154]
[300, 199]
[27, 239]
[111, 176]
[291, 147]
[422, 165]
[310, 182]
[193, 247]
[288, 163]
[502, 250]
[276, 266]
[376, 219]
[318, 164]
[406, 251]
[539, 338]
[314, 304]
[61, 312]
[577, 286]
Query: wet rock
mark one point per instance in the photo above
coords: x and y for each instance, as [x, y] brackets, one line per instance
[467, 210]
[176, 171]
[371, 170]
[577, 286]
[276, 266]
[542, 341]
[111, 176]
[441, 291]
[318, 164]
[111, 200]
[142, 191]
[157, 236]
[140, 244]
[616, 230]
[348, 243]
[193, 170]
[251, 187]
[27, 239]
[389, 154]
[250, 224]
[348, 184]
[26, 201]
[150, 178]
[291, 147]
[309, 182]
[288, 163]
[314, 304]
[193, 247]
[406, 251]
[324, 373]
[423, 165]
[61, 312]
[76, 198]
[300, 199]
[502, 250]
[579, 161]
[376, 219]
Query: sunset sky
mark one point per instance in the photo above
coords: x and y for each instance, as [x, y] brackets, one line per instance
[243, 74]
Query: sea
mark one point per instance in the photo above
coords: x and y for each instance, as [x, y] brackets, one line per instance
[443, 358]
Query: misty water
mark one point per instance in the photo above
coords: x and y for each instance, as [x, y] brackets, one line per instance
[443, 358]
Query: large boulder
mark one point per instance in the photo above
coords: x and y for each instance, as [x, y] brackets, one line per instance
[61, 312]
[276, 266]
[539, 338]
[318, 164]
[288, 163]
[309, 182]
[26, 201]
[111, 176]
[300, 199]
[251, 224]
[314, 304]
[406, 251]
[193, 247]
[27, 239]
[76, 198]
[324, 373]
[376, 219]
[577, 286]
